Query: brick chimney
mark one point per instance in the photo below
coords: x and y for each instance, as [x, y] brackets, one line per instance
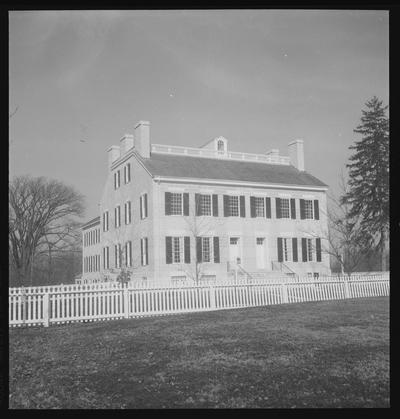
[296, 154]
[126, 143]
[142, 138]
[113, 154]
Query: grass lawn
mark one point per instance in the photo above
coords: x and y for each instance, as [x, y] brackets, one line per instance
[322, 354]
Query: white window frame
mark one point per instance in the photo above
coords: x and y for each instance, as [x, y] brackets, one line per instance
[309, 247]
[288, 208]
[105, 220]
[308, 212]
[210, 251]
[179, 240]
[128, 213]
[172, 207]
[231, 199]
[127, 173]
[117, 179]
[287, 251]
[117, 214]
[203, 207]
[143, 248]
[142, 206]
[128, 254]
[258, 199]
[117, 253]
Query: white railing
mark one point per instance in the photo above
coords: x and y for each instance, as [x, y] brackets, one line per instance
[76, 303]
[230, 155]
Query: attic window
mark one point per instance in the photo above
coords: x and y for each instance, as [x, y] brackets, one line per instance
[220, 146]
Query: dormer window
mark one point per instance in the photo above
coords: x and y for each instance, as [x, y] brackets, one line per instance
[220, 146]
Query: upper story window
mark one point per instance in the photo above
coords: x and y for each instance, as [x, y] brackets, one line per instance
[285, 208]
[286, 247]
[259, 206]
[177, 249]
[127, 173]
[118, 216]
[220, 146]
[176, 204]
[105, 221]
[206, 205]
[117, 179]
[128, 214]
[143, 206]
[234, 206]
[309, 209]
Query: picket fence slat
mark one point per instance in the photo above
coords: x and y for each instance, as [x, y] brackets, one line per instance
[91, 302]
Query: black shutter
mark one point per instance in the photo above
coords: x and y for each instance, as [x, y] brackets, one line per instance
[304, 249]
[293, 208]
[145, 205]
[242, 206]
[168, 249]
[185, 203]
[294, 249]
[318, 248]
[280, 249]
[215, 205]
[252, 206]
[199, 252]
[316, 209]
[187, 249]
[167, 203]
[302, 209]
[268, 207]
[216, 249]
[141, 209]
[278, 207]
[226, 206]
[197, 203]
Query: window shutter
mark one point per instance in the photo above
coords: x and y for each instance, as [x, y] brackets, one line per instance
[280, 249]
[268, 207]
[141, 207]
[185, 203]
[146, 241]
[316, 209]
[199, 252]
[145, 205]
[167, 203]
[129, 172]
[215, 205]
[293, 208]
[226, 206]
[197, 203]
[216, 249]
[141, 252]
[115, 216]
[187, 249]
[168, 249]
[252, 206]
[242, 206]
[294, 249]
[318, 248]
[304, 249]
[278, 207]
[302, 209]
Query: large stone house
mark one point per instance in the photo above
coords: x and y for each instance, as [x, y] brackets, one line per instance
[172, 212]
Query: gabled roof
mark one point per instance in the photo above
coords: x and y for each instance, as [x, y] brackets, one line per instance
[169, 165]
[94, 221]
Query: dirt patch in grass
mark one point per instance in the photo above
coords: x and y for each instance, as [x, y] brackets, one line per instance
[325, 354]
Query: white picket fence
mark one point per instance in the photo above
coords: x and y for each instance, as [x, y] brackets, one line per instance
[77, 303]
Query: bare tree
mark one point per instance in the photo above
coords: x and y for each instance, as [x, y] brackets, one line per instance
[43, 218]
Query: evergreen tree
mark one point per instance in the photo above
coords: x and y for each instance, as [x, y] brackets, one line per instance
[368, 194]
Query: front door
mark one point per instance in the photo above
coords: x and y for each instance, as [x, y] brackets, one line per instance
[234, 250]
[260, 252]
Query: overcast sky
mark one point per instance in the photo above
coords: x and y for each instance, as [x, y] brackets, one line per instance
[258, 78]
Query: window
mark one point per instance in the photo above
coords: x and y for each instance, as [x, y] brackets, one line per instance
[233, 202]
[234, 240]
[177, 250]
[143, 206]
[118, 216]
[105, 221]
[128, 216]
[220, 146]
[259, 206]
[260, 240]
[206, 249]
[316, 275]
[106, 257]
[178, 280]
[117, 179]
[176, 204]
[127, 173]
[205, 204]
[144, 251]
[308, 209]
[128, 254]
[117, 255]
[285, 208]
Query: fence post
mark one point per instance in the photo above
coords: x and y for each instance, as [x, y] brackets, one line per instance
[212, 297]
[46, 309]
[284, 292]
[126, 301]
[346, 288]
